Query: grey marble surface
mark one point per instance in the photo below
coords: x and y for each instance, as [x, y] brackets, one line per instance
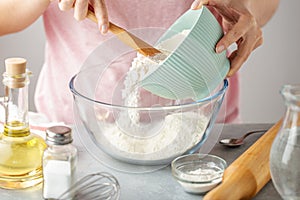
[160, 183]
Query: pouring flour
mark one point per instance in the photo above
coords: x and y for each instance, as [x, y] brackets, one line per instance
[166, 138]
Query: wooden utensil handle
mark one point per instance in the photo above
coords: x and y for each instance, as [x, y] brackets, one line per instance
[112, 27]
[126, 37]
[249, 173]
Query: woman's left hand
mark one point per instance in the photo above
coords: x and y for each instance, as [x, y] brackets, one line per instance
[81, 9]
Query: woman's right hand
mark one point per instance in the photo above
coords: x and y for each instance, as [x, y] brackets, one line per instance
[81, 9]
[241, 27]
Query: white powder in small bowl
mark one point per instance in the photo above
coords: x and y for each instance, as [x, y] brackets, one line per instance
[200, 180]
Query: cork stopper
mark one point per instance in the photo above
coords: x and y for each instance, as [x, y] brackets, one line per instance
[16, 69]
[15, 66]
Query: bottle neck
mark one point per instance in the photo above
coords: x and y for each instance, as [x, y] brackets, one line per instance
[291, 95]
[16, 122]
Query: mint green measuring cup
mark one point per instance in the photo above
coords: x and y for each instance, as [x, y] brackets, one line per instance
[193, 69]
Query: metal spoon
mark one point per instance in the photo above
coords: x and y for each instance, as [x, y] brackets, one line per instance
[235, 142]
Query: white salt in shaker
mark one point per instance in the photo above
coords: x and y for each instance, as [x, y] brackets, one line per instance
[59, 162]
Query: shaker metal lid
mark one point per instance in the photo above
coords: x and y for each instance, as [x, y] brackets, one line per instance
[59, 135]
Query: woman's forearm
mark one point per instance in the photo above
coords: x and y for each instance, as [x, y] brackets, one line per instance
[18, 14]
[263, 10]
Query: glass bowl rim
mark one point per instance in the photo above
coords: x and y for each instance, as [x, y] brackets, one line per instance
[177, 106]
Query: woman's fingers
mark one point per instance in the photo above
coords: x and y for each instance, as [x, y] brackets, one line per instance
[240, 27]
[251, 41]
[197, 4]
[246, 33]
[65, 5]
[238, 57]
[237, 31]
[259, 42]
[80, 9]
[101, 15]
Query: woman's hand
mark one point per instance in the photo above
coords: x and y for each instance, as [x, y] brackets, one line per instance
[240, 27]
[81, 8]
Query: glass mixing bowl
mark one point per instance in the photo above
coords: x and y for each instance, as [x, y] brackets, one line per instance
[150, 134]
[135, 134]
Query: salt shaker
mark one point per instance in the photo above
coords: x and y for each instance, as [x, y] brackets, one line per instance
[285, 151]
[59, 162]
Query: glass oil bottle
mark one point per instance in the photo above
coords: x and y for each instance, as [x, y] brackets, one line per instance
[20, 151]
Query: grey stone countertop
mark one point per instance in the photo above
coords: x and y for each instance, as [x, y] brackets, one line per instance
[158, 184]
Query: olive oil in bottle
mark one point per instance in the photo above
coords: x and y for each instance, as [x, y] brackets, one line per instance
[21, 151]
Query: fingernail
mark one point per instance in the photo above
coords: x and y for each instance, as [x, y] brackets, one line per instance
[219, 49]
[195, 5]
[65, 6]
[103, 29]
[61, 6]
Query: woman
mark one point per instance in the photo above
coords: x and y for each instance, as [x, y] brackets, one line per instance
[70, 41]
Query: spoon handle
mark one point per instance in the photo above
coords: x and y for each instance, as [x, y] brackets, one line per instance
[251, 132]
[126, 37]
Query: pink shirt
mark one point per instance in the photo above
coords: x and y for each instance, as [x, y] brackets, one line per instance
[69, 43]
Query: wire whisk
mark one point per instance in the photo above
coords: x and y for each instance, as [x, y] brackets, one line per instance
[97, 186]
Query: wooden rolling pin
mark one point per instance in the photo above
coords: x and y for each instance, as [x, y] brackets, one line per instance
[248, 174]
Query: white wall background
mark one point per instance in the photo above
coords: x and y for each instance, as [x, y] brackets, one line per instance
[28, 44]
[274, 64]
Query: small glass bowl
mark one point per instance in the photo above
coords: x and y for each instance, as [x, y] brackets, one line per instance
[198, 173]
